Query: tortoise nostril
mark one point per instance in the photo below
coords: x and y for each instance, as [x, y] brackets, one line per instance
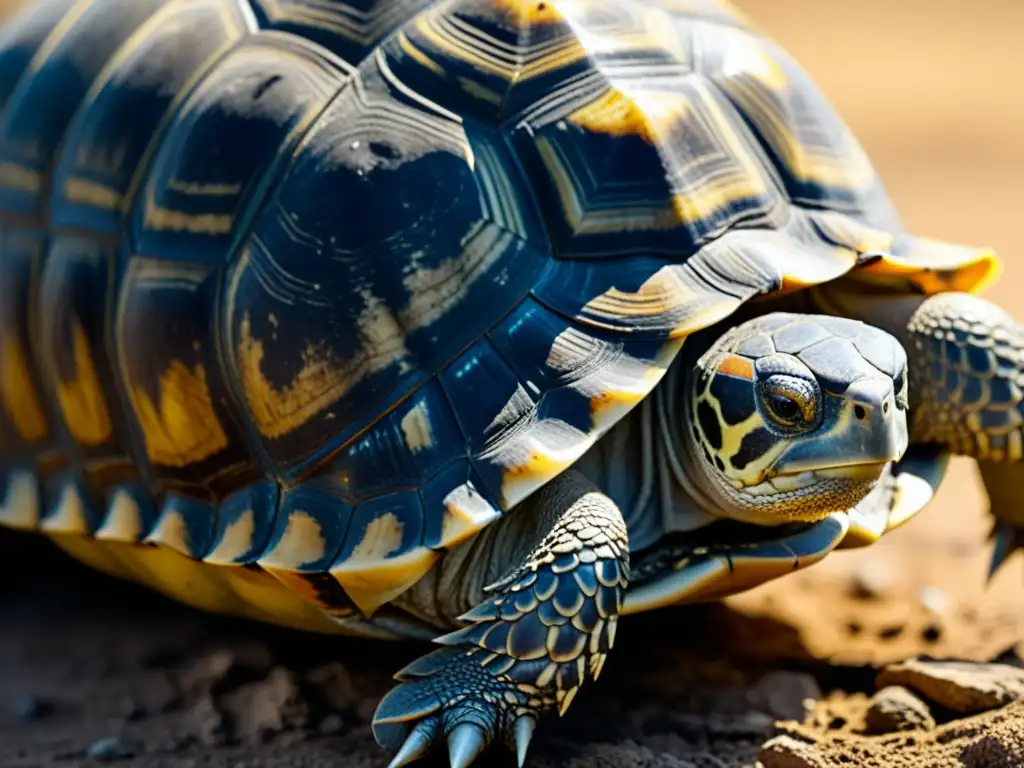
[885, 407]
[860, 412]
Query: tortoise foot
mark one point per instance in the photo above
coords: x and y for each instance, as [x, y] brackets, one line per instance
[526, 649]
[454, 697]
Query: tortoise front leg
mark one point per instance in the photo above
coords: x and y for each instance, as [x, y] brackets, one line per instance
[532, 639]
[967, 393]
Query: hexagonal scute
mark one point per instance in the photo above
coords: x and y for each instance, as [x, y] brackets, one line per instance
[396, 236]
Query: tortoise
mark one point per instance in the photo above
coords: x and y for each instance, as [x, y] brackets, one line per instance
[501, 318]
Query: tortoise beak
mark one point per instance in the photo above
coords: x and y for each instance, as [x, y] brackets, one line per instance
[871, 431]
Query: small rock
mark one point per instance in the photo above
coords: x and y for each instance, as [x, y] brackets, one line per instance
[894, 708]
[331, 725]
[785, 695]
[787, 752]
[962, 686]
[28, 709]
[113, 748]
[871, 583]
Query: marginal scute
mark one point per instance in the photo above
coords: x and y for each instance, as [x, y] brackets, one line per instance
[245, 522]
[129, 515]
[71, 511]
[383, 554]
[21, 503]
[184, 525]
[454, 506]
[309, 529]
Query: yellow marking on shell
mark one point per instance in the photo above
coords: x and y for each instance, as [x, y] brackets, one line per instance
[530, 12]
[181, 428]
[661, 294]
[433, 27]
[19, 178]
[81, 398]
[465, 513]
[416, 428]
[236, 541]
[616, 114]
[370, 577]
[162, 219]
[609, 406]
[69, 517]
[91, 193]
[411, 50]
[123, 522]
[21, 506]
[302, 542]
[737, 365]
[375, 582]
[322, 381]
[204, 189]
[936, 267]
[19, 395]
[171, 531]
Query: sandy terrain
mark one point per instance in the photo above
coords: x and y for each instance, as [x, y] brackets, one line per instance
[936, 97]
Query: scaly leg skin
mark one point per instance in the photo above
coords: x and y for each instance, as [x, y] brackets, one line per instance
[967, 393]
[536, 635]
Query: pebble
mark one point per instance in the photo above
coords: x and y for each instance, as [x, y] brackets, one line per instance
[894, 709]
[112, 748]
[962, 686]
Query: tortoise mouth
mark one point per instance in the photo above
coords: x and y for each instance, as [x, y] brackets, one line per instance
[727, 557]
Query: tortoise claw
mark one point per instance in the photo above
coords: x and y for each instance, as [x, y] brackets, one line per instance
[417, 745]
[525, 726]
[465, 743]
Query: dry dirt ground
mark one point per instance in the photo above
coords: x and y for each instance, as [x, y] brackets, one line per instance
[91, 670]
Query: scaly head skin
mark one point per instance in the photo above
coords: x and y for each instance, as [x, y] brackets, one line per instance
[794, 417]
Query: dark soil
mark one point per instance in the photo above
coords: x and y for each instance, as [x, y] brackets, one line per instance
[93, 670]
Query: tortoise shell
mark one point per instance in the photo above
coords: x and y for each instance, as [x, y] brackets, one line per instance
[322, 288]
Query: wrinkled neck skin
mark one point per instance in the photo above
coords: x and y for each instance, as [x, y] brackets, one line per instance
[644, 463]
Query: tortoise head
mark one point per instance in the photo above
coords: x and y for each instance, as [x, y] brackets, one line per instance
[794, 417]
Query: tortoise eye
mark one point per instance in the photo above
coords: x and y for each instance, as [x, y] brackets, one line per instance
[790, 402]
[785, 409]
